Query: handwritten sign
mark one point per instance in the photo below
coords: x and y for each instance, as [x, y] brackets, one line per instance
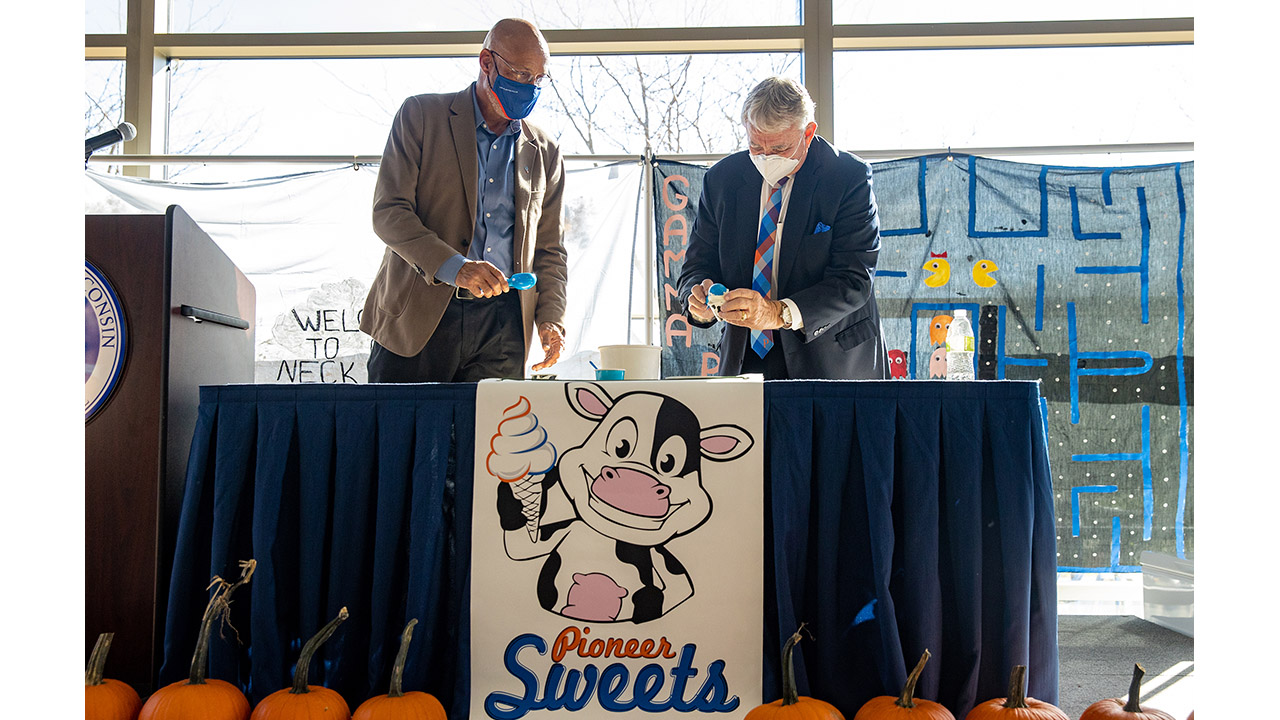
[318, 341]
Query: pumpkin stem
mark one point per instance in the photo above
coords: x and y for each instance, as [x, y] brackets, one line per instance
[1135, 688]
[790, 695]
[98, 659]
[1017, 695]
[304, 658]
[397, 670]
[907, 698]
[219, 606]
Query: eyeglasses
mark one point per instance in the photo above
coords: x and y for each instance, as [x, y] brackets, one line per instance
[523, 76]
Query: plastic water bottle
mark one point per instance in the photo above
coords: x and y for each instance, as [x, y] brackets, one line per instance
[960, 347]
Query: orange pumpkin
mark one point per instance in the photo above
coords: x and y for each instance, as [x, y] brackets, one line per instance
[1117, 709]
[905, 705]
[198, 697]
[303, 701]
[107, 699]
[1017, 706]
[792, 705]
[398, 704]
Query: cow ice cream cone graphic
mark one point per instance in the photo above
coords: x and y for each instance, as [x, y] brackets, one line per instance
[521, 454]
[605, 509]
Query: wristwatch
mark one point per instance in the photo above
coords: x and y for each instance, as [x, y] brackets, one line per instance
[786, 315]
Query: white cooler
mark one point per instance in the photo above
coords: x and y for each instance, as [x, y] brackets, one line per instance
[1168, 591]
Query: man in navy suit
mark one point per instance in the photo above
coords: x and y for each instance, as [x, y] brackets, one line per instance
[789, 226]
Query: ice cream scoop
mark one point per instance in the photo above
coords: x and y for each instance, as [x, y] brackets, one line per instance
[715, 298]
[522, 281]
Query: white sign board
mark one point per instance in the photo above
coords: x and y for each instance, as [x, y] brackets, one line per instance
[617, 549]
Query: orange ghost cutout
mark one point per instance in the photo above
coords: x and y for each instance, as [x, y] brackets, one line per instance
[938, 330]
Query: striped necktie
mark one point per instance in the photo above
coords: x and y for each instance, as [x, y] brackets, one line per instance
[762, 271]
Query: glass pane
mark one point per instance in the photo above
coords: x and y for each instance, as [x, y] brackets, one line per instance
[845, 12]
[103, 98]
[298, 107]
[597, 105]
[240, 16]
[1010, 98]
[670, 103]
[105, 16]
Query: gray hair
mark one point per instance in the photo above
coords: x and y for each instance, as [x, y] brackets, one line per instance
[777, 104]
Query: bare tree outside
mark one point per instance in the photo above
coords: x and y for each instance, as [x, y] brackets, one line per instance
[104, 103]
[664, 103]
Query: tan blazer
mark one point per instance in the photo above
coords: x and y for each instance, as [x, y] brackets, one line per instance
[424, 209]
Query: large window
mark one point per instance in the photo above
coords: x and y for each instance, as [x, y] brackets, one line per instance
[254, 16]
[670, 104]
[104, 16]
[308, 107]
[617, 104]
[238, 77]
[1013, 97]
[949, 11]
[103, 96]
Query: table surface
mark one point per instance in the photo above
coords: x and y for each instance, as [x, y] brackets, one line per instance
[900, 516]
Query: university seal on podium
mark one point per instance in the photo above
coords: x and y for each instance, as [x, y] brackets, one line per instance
[104, 340]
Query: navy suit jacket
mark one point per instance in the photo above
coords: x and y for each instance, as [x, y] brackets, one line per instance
[830, 241]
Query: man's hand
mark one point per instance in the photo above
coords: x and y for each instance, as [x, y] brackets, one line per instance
[552, 342]
[698, 302]
[482, 278]
[747, 308]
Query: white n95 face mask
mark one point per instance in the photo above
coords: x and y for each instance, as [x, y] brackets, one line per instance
[774, 167]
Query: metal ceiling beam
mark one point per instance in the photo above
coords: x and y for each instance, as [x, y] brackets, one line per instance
[881, 154]
[628, 41]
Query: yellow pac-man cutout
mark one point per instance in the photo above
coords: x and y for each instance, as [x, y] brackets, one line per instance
[982, 273]
[940, 270]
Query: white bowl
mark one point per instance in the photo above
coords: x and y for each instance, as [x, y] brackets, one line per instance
[642, 362]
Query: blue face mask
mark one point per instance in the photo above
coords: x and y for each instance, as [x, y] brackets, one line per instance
[516, 99]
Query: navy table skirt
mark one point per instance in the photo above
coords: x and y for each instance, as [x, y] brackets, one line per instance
[900, 516]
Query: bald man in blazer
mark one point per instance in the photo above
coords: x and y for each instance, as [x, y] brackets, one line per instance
[467, 195]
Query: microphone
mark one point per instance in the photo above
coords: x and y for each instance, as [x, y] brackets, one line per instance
[124, 132]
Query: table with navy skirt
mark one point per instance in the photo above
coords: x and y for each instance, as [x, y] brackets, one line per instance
[899, 516]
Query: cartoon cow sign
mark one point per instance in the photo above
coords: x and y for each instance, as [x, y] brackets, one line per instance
[609, 507]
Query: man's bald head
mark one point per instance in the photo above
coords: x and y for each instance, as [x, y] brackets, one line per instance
[516, 36]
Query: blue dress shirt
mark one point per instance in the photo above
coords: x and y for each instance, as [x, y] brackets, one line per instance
[495, 228]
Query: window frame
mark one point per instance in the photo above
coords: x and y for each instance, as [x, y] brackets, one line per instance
[146, 53]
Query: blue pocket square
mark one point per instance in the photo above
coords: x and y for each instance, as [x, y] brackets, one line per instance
[821, 228]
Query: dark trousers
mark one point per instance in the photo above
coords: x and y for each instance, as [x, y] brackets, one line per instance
[476, 339]
[773, 365]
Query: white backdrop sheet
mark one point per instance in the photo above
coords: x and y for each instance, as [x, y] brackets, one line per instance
[307, 244]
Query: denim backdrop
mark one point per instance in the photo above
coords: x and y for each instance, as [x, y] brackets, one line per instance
[1077, 277]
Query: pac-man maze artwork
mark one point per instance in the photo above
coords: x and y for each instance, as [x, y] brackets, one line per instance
[1077, 277]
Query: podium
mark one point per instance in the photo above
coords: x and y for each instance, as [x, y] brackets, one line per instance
[185, 319]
